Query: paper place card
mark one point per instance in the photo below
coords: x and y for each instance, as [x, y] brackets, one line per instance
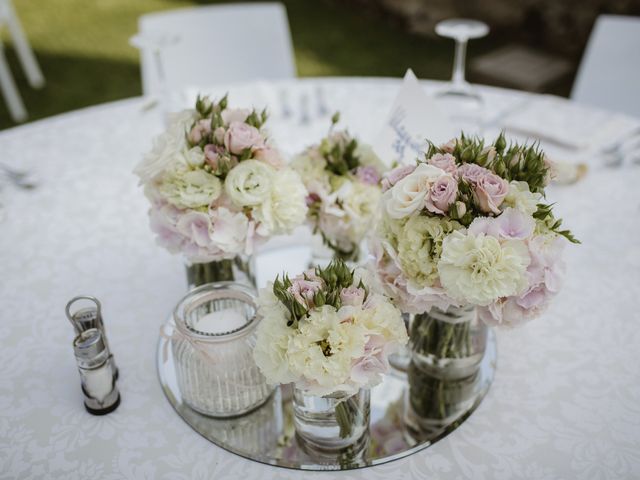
[413, 119]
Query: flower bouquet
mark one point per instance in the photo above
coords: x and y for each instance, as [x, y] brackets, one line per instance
[342, 177]
[330, 335]
[218, 188]
[466, 237]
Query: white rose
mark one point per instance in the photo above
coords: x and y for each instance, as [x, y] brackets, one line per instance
[408, 195]
[285, 207]
[480, 269]
[249, 183]
[194, 157]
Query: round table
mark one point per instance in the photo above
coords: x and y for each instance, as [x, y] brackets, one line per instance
[566, 398]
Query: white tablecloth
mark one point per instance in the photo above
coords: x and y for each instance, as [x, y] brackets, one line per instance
[565, 403]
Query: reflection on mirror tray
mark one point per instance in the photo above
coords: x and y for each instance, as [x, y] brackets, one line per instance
[267, 434]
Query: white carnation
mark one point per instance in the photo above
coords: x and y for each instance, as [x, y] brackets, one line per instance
[187, 188]
[323, 350]
[285, 207]
[273, 337]
[249, 183]
[479, 269]
[420, 245]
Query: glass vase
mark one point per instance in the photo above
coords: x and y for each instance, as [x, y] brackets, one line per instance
[240, 269]
[447, 348]
[332, 424]
[212, 346]
[448, 344]
[322, 254]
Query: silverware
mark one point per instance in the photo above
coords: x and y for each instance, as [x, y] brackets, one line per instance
[615, 154]
[19, 178]
[285, 109]
[323, 110]
[305, 117]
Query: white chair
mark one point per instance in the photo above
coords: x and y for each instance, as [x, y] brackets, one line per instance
[214, 44]
[609, 73]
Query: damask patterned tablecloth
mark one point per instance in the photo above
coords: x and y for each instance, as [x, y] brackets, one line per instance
[565, 403]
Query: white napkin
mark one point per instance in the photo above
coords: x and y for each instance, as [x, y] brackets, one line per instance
[568, 124]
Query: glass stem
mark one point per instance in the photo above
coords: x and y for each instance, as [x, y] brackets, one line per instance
[457, 78]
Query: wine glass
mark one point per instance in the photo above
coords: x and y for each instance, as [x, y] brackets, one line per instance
[156, 43]
[460, 99]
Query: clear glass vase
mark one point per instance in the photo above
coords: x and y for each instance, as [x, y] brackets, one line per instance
[240, 269]
[447, 348]
[448, 344]
[212, 345]
[322, 254]
[332, 424]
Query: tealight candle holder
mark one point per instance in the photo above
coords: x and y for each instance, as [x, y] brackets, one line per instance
[212, 347]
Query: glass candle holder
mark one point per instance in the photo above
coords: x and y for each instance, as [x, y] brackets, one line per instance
[213, 346]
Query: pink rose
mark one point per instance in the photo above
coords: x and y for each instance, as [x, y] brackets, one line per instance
[368, 175]
[241, 136]
[489, 192]
[270, 156]
[218, 135]
[446, 162]
[449, 146]
[231, 115]
[352, 296]
[304, 290]
[211, 154]
[394, 176]
[471, 172]
[442, 194]
[199, 130]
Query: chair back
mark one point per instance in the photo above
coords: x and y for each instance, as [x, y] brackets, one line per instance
[609, 73]
[218, 44]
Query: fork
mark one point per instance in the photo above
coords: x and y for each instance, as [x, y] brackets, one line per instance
[19, 178]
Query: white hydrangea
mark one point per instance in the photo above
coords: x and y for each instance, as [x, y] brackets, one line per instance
[186, 188]
[480, 269]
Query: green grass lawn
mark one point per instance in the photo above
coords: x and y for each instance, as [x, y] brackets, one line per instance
[82, 47]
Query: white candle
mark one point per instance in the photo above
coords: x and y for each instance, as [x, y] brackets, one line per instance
[221, 321]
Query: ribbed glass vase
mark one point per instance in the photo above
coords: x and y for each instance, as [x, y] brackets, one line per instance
[212, 345]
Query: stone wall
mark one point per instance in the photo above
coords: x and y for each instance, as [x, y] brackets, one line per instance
[560, 25]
